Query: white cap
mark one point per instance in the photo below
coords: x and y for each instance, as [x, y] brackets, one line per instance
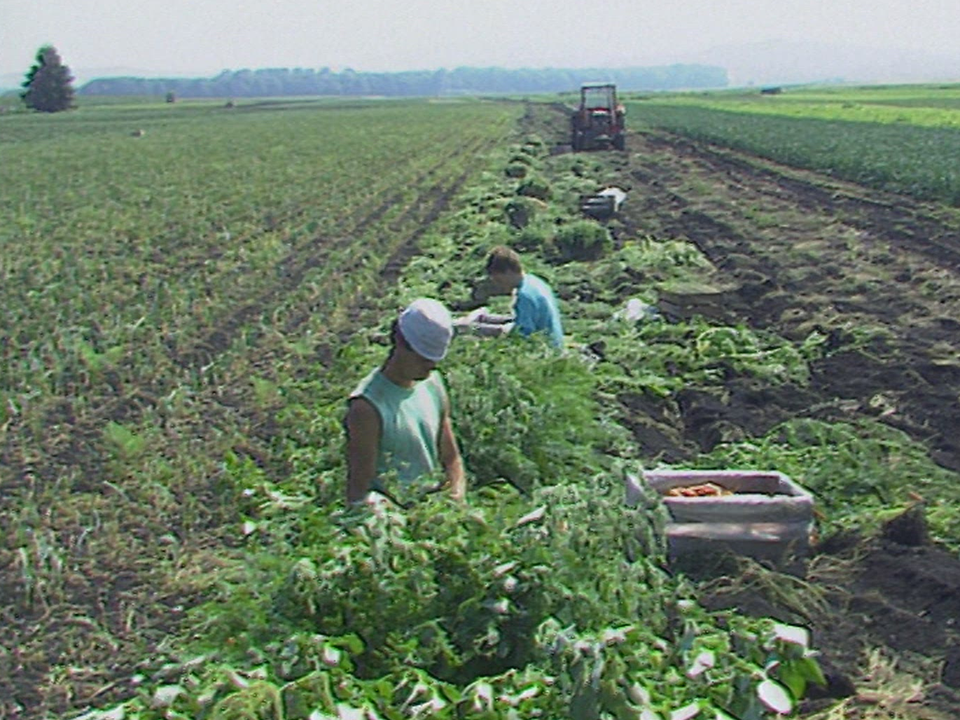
[427, 327]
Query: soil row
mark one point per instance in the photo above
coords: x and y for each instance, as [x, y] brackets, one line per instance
[799, 252]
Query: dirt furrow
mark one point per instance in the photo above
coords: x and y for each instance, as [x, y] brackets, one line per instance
[802, 253]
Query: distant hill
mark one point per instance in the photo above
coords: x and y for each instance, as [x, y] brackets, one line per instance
[274, 82]
[771, 62]
[14, 81]
[776, 62]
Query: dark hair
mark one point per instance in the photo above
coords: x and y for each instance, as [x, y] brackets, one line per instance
[397, 338]
[503, 260]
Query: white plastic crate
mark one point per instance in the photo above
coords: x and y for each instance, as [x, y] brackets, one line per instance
[766, 516]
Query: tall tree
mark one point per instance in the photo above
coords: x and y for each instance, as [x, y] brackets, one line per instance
[48, 87]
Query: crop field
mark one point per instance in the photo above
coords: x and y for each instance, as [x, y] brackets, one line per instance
[901, 139]
[191, 291]
[926, 106]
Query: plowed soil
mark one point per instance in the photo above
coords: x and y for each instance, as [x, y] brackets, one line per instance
[802, 251]
[796, 251]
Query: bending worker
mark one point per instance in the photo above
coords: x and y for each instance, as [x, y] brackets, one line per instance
[398, 418]
[535, 307]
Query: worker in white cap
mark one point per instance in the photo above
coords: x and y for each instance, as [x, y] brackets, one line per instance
[398, 417]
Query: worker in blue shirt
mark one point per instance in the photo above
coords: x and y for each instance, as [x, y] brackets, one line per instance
[535, 307]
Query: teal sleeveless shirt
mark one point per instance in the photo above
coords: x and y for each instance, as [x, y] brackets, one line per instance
[410, 421]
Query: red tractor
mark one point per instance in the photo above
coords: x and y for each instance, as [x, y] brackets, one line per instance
[598, 124]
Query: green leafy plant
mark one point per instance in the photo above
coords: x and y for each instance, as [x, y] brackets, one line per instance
[520, 211]
[532, 238]
[516, 170]
[515, 403]
[581, 240]
[534, 187]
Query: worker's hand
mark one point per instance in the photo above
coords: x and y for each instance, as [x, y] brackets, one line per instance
[477, 315]
[457, 490]
[466, 323]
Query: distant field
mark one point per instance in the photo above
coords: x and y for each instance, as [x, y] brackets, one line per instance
[840, 98]
[903, 138]
[932, 108]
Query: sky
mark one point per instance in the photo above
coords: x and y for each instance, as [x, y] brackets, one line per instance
[203, 37]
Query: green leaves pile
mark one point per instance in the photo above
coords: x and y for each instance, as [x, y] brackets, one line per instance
[446, 611]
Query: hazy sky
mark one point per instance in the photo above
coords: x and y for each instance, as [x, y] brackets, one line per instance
[202, 37]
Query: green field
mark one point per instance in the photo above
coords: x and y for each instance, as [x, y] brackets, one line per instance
[924, 105]
[901, 139]
[187, 307]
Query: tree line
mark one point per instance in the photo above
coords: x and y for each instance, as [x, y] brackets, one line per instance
[274, 82]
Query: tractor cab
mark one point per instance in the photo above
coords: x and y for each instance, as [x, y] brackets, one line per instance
[598, 97]
[598, 123]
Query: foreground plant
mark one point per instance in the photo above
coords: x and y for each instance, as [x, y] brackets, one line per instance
[555, 605]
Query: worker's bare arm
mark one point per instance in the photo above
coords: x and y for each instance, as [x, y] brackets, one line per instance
[492, 330]
[493, 319]
[480, 322]
[451, 460]
[363, 443]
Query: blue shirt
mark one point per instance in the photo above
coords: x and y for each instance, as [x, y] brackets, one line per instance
[535, 310]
